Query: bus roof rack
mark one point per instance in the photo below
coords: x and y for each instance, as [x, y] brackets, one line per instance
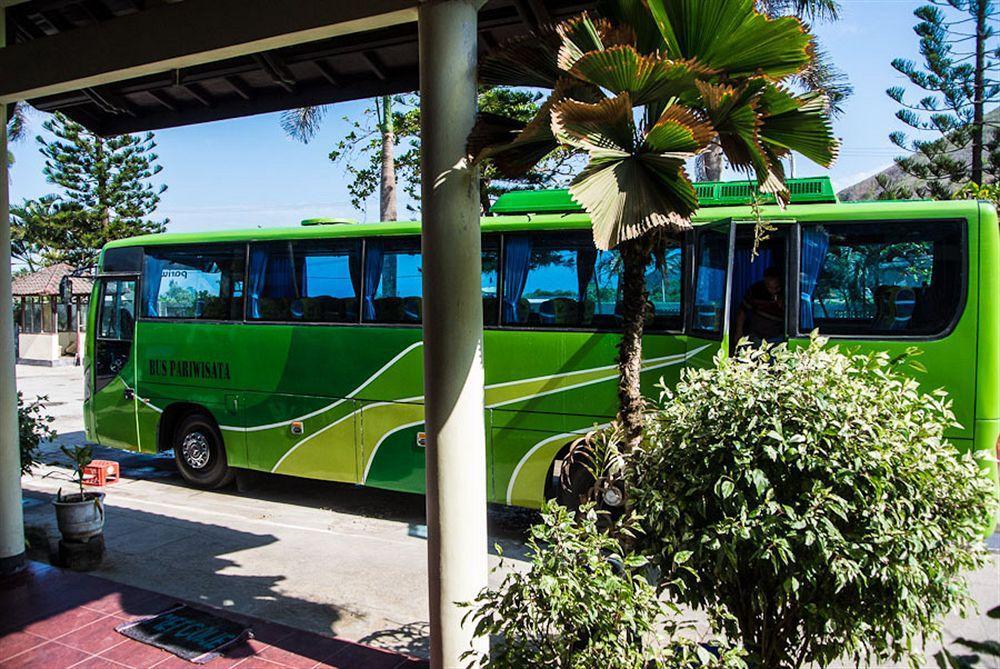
[710, 194]
[328, 221]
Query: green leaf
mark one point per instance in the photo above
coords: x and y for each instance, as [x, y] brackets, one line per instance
[682, 557]
[628, 190]
[622, 69]
[731, 37]
[799, 124]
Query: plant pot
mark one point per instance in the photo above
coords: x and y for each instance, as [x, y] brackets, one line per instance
[80, 517]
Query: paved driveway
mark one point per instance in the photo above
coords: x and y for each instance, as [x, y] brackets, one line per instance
[324, 557]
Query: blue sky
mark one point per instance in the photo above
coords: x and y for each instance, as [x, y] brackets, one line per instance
[247, 173]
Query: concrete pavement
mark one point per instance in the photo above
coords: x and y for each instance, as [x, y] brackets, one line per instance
[323, 557]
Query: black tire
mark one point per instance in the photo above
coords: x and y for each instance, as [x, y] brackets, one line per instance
[199, 453]
[573, 490]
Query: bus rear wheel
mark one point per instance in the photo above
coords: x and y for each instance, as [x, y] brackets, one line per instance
[199, 453]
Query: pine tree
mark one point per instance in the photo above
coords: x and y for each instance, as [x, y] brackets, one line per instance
[107, 190]
[954, 80]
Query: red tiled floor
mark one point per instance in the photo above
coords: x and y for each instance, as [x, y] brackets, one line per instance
[95, 637]
[47, 656]
[64, 622]
[98, 663]
[18, 642]
[81, 612]
[362, 656]
[135, 655]
[302, 650]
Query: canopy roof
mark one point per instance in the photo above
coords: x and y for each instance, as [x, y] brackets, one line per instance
[373, 52]
[46, 282]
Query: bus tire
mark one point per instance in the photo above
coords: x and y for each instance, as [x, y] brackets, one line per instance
[200, 454]
[574, 487]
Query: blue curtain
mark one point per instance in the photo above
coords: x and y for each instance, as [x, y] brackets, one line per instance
[280, 279]
[152, 277]
[747, 271]
[815, 242]
[256, 279]
[516, 261]
[372, 275]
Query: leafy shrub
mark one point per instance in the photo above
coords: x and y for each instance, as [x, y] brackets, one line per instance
[809, 500]
[583, 604]
[35, 427]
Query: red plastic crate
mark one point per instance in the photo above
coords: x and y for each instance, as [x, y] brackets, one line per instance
[100, 473]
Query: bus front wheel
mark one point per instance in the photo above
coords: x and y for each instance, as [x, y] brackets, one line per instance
[199, 453]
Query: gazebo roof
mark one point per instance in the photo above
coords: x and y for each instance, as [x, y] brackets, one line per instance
[45, 282]
[380, 58]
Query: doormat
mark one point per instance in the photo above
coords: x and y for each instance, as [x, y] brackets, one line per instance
[195, 635]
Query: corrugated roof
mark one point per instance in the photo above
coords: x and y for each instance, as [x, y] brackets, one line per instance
[46, 281]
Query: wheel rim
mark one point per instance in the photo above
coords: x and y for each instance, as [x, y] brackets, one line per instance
[196, 450]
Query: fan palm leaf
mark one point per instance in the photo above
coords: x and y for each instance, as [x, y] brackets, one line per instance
[660, 193]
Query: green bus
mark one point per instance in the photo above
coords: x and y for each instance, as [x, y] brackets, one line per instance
[298, 350]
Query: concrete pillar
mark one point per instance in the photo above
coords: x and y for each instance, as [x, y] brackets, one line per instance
[453, 330]
[11, 517]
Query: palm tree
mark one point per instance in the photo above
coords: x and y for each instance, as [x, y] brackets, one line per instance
[649, 85]
[17, 127]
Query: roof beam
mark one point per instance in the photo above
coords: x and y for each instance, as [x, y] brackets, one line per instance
[161, 99]
[179, 35]
[195, 93]
[238, 86]
[327, 72]
[276, 69]
[262, 102]
[374, 65]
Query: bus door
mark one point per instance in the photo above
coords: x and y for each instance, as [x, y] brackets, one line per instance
[113, 394]
[707, 313]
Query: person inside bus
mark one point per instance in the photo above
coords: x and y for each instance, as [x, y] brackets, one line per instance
[761, 316]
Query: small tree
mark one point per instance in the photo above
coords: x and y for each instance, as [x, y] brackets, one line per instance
[106, 190]
[810, 501]
[583, 604]
[35, 427]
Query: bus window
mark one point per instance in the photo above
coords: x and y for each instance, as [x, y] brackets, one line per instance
[546, 280]
[305, 281]
[392, 279]
[117, 310]
[562, 281]
[664, 284]
[903, 279]
[709, 308]
[204, 283]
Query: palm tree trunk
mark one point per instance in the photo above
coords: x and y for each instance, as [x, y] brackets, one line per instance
[387, 189]
[630, 400]
[387, 181]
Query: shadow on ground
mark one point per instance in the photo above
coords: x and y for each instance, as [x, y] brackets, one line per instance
[413, 639]
[176, 558]
[508, 526]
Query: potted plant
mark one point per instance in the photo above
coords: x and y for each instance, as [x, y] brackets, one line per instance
[80, 515]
